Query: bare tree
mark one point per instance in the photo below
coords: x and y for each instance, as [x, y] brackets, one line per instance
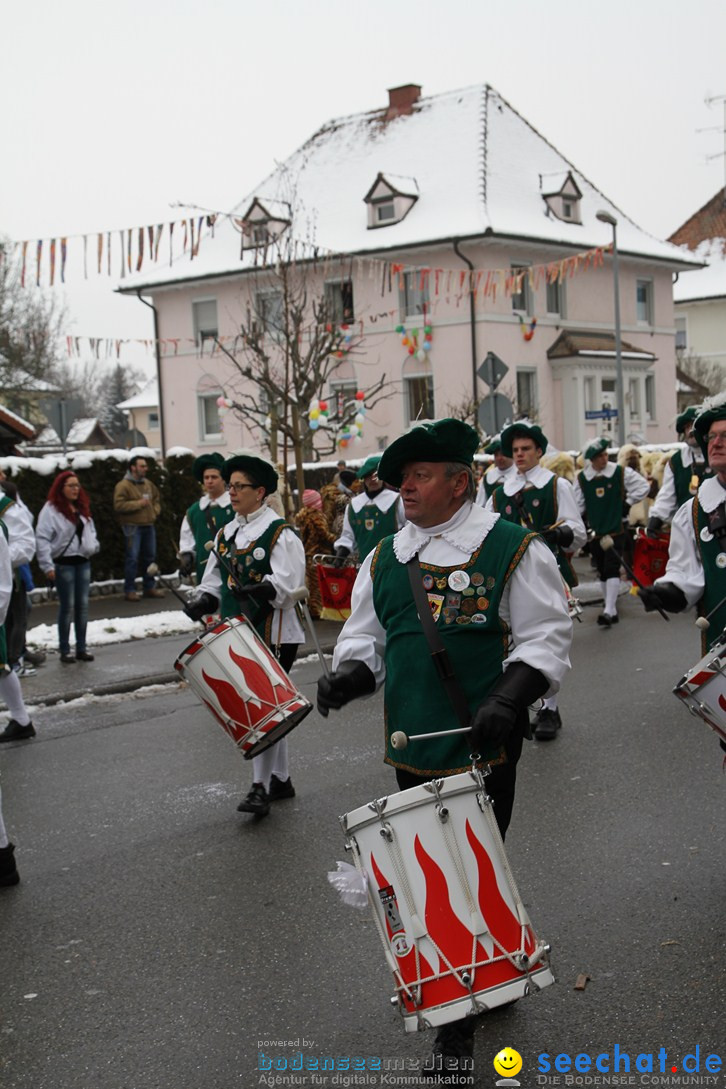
[708, 373]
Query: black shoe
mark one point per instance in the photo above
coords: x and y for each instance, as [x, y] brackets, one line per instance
[606, 620]
[84, 656]
[8, 870]
[451, 1060]
[279, 789]
[66, 659]
[257, 801]
[15, 732]
[547, 723]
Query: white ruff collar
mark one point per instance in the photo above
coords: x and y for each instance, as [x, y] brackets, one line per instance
[464, 532]
[244, 519]
[536, 477]
[711, 494]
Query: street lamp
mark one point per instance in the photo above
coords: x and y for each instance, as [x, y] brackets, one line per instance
[606, 217]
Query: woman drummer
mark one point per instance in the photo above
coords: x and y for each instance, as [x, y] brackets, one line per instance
[258, 561]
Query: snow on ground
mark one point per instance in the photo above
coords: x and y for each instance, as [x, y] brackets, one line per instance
[119, 629]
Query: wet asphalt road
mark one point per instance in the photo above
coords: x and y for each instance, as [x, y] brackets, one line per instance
[159, 939]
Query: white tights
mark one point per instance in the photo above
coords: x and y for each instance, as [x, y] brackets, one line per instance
[272, 761]
[12, 695]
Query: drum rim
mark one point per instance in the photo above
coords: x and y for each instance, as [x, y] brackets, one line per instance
[453, 786]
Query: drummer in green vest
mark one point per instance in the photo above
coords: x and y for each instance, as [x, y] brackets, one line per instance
[682, 475]
[257, 564]
[604, 492]
[495, 474]
[373, 514]
[204, 518]
[495, 594]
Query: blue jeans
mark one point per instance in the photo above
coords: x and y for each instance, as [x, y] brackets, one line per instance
[140, 548]
[72, 582]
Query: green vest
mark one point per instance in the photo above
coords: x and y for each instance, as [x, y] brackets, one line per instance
[472, 631]
[714, 578]
[489, 489]
[540, 505]
[199, 522]
[370, 525]
[604, 498]
[250, 568]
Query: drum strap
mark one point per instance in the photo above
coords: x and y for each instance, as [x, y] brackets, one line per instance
[439, 654]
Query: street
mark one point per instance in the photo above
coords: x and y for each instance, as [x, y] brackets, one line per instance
[159, 939]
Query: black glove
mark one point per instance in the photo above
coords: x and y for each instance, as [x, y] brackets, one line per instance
[200, 606]
[497, 716]
[665, 596]
[350, 680]
[655, 525]
[340, 554]
[559, 535]
[186, 563]
[261, 591]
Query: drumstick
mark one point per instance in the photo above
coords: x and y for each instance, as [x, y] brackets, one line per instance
[154, 571]
[608, 545]
[702, 622]
[399, 740]
[301, 596]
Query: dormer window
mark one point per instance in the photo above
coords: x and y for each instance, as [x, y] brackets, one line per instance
[262, 223]
[390, 199]
[562, 197]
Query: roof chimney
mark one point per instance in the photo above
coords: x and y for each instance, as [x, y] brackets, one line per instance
[401, 100]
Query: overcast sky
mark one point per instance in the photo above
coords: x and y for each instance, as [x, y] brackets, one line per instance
[112, 111]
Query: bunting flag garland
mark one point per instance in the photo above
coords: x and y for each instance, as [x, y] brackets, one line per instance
[22, 266]
[140, 257]
[99, 250]
[159, 231]
[64, 254]
[39, 255]
[85, 257]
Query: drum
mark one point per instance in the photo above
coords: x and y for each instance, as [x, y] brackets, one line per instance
[243, 685]
[650, 556]
[454, 930]
[703, 689]
[336, 586]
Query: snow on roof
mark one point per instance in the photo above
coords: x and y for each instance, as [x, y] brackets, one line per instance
[80, 431]
[148, 397]
[13, 419]
[704, 283]
[477, 165]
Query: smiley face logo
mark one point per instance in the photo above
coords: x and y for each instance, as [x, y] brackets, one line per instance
[508, 1062]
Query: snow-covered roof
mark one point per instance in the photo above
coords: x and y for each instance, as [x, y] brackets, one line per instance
[148, 397]
[79, 433]
[478, 167]
[15, 422]
[704, 283]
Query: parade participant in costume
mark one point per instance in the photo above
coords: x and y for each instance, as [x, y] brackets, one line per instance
[374, 514]
[268, 560]
[496, 596]
[603, 490]
[21, 538]
[696, 569]
[682, 475]
[496, 473]
[317, 540]
[204, 518]
[8, 870]
[537, 499]
[19, 727]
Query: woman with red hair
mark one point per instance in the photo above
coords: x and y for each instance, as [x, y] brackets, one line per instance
[66, 539]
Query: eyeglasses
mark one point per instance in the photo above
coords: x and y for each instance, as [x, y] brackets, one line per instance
[239, 487]
[716, 436]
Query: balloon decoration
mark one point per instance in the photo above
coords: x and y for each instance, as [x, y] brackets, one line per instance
[410, 341]
[527, 333]
[350, 433]
[223, 406]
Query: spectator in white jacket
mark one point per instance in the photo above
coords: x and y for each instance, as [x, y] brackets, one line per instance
[66, 538]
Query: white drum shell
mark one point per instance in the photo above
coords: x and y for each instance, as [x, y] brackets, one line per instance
[703, 689]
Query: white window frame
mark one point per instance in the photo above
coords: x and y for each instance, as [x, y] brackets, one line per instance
[265, 320]
[527, 410]
[526, 295]
[153, 420]
[648, 286]
[559, 286]
[333, 293]
[414, 299]
[204, 328]
[634, 398]
[650, 402]
[202, 399]
[681, 324]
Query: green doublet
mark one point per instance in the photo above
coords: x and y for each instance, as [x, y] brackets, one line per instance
[472, 631]
[540, 505]
[682, 476]
[200, 522]
[370, 525]
[252, 564]
[604, 498]
[714, 576]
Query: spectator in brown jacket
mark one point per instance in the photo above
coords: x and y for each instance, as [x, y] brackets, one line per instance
[137, 505]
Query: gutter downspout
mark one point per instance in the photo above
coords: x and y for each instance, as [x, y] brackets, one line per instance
[472, 326]
[157, 353]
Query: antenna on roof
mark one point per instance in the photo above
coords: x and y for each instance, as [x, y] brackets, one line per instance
[709, 100]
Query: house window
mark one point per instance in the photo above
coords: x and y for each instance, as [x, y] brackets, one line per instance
[339, 302]
[650, 396]
[681, 334]
[269, 310]
[590, 396]
[644, 301]
[414, 294]
[418, 390]
[556, 298]
[527, 393]
[341, 394]
[210, 426]
[634, 397]
[521, 299]
[153, 419]
[567, 209]
[386, 212]
[204, 316]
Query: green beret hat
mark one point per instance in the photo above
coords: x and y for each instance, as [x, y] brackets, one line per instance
[254, 466]
[432, 440]
[596, 448]
[494, 447]
[712, 409]
[522, 430]
[685, 417]
[207, 461]
[370, 465]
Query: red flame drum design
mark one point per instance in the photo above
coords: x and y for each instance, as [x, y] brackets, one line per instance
[243, 685]
[703, 689]
[455, 932]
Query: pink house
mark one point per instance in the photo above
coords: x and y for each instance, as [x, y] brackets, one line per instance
[450, 213]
